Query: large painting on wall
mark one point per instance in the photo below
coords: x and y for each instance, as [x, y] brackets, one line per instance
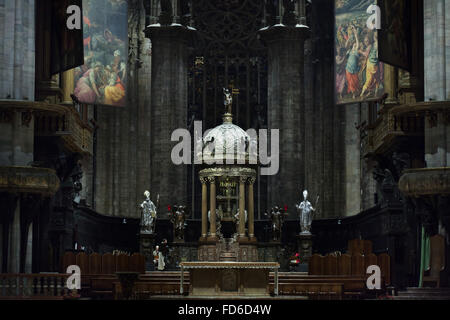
[395, 37]
[359, 72]
[103, 77]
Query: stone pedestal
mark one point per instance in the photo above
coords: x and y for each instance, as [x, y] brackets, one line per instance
[146, 244]
[304, 247]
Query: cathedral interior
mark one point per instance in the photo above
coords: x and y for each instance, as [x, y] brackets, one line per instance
[98, 101]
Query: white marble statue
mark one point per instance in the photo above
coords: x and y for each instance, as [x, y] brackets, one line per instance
[148, 215]
[306, 212]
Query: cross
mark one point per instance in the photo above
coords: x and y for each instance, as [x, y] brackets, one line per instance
[234, 91]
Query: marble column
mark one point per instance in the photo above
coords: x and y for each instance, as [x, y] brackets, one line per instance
[204, 208]
[242, 207]
[212, 207]
[251, 209]
[286, 110]
[169, 99]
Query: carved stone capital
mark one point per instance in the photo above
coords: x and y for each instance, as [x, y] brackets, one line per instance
[211, 180]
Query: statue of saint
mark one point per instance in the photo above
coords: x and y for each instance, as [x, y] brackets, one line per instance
[148, 215]
[277, 220]
[178, 218]
[306, 211]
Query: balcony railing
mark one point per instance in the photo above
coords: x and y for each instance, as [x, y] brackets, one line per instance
[68, 125]
[391, 125]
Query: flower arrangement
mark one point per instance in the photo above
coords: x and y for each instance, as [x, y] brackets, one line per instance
[295, 259]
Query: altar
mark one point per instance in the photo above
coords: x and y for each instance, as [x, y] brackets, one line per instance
[229, 278]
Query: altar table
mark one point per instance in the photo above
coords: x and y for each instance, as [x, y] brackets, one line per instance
[229, 278]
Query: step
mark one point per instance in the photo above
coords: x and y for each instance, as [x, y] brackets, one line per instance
[427, 289]
[418, 297]
[423, 294]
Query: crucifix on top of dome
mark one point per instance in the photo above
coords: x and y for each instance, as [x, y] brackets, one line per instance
[228, 99]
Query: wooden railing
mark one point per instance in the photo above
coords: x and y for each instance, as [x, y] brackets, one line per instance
[33, 286]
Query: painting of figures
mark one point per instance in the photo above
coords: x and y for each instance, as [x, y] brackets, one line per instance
[359, 73]
[103, 77]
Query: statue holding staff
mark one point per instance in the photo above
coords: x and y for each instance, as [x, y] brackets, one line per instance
[306, 212]
[148, 214]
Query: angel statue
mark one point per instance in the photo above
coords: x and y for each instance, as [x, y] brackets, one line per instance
[148, 214]
[306, 211]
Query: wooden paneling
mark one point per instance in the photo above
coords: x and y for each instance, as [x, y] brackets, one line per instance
[384, 262]
[358, 265]
[108, 264]
[345, 265]
[331, 265]
[82, 260]
[95, 263]
[122, 263]
[316, 263]
[68, 259]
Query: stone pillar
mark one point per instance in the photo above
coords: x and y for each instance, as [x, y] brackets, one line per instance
[390, 83]
[68, 86]
[305, 249]
[204, 208]
[251, 210]
[212, 207]
[14, 242]
[436, 46]
[437, 82]
[286, 109]
[29, 250]
[1, 246]
[17, 50]
[242, 207]
[146, 242]
[169, 98]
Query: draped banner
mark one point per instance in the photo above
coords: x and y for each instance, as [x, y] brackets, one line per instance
[395, 36]
[102, 80]
[359, 73]
[66, 45]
